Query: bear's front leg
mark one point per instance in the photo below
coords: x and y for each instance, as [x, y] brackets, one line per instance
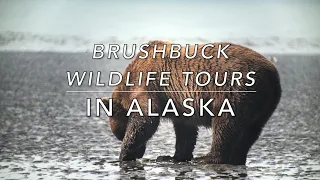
[186, 137]
[139, 130]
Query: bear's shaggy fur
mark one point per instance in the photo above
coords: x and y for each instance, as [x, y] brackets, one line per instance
[232, 136]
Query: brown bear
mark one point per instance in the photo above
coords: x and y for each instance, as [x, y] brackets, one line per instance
[232, 135]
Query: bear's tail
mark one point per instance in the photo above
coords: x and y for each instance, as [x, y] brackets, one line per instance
[277, 88]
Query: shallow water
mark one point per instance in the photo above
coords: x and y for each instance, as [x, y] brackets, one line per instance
[45, 133]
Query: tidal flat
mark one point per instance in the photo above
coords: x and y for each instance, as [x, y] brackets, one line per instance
[45, 133]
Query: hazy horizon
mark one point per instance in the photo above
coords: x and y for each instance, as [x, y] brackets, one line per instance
[288, 23]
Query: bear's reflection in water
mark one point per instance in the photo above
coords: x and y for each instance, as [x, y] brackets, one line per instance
[183, 170]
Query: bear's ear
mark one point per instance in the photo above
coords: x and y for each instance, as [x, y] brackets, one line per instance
[117, 107]
[158, 42]
[105, 101]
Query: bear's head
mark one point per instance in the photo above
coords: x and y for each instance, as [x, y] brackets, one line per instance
[118, 120]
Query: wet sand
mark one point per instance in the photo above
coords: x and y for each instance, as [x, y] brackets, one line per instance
[45, 134]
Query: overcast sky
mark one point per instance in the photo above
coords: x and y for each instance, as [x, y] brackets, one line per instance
[98, 18]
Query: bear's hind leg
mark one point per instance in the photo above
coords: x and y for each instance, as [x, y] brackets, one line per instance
[239, 155]
[139, 130]
[252, 132]
[225, 136]
[249, 137]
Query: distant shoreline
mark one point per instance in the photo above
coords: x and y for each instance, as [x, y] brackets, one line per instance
[90, 53]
